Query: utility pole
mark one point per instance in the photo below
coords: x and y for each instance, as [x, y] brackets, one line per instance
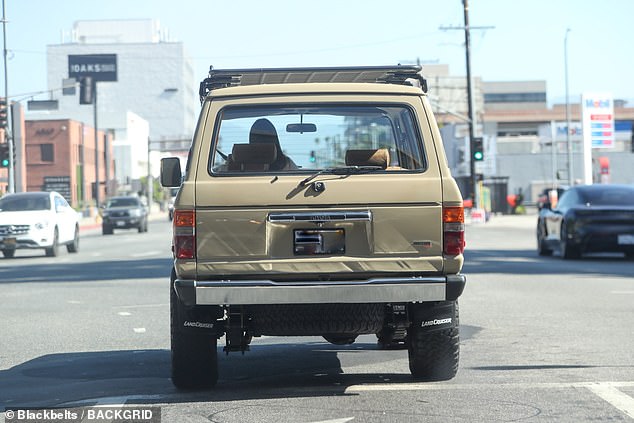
[568, 140]
[470, 97]
[8, 133]
[471, 108]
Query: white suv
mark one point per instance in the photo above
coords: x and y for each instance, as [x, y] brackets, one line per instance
[32, 220]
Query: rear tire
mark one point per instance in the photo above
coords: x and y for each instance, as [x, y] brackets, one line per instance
[8, 253]
[434, 356]
[106, 230]
[194, 354]
[568, 251]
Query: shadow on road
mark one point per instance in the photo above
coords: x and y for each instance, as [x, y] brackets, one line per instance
[146, 268]
[528, 262]
[142, 377]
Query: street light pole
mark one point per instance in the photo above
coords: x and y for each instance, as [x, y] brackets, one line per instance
[568, 140]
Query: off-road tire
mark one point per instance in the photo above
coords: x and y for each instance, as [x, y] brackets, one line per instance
[435, 355]
[73, 247]
[106, 230]
[53, 250]
[316, 319]
[8, 253]
[194, 354]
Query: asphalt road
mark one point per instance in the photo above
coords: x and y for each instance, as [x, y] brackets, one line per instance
[542, 340]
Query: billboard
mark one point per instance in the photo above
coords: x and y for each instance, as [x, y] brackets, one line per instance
[598, 120]
[100, 67]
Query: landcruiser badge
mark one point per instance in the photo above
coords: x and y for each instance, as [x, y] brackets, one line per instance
[198, 325]
[436, 322]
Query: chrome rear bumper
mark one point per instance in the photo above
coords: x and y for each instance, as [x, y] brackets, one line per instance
[376, 290]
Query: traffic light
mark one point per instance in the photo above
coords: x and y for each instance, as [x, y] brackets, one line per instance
[86, 90]
[3, 113]
[5, 159]
[313, 157]
[478, 149]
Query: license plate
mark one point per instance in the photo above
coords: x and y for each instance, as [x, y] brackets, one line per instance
[319, 241]
[120, 223]
[626, 239]
[9, 242]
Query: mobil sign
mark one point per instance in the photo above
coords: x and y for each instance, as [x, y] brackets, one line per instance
[598, 120]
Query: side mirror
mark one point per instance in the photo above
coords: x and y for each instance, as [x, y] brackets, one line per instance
[171, 174]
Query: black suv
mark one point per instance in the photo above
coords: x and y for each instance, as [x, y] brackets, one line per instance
[124, 213]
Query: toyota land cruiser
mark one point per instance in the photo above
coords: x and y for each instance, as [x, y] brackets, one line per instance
[316, 201]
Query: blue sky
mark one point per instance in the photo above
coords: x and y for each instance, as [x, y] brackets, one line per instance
[527, 42]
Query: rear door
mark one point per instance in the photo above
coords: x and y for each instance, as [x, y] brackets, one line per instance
[348, 189]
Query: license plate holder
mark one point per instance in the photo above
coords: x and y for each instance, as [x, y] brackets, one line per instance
[308, 242]
[625, 239]
[120, 223]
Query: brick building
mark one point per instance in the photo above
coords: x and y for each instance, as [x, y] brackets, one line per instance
[60, 155]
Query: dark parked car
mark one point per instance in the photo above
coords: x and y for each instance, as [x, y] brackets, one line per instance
[588, 218]
[543, 199]
[124, 213]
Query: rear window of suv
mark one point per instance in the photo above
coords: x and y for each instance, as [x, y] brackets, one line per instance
[298, 138]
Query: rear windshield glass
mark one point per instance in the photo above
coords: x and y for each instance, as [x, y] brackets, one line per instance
[611, 196]
[314, 137]
[123, 202]
[25, 203]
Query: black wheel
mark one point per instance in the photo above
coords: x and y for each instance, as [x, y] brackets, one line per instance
[53, 250]
[434, 355]
[8, 253]
[568, 251]
[194, 353]
[106, 229]
[542, 249]
[73, 247]
[340, 339]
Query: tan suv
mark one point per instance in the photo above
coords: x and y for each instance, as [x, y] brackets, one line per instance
[316, 201]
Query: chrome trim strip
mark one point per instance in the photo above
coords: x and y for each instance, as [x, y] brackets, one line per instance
[325, 216]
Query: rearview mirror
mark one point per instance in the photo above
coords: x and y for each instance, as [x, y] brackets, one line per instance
[171, 174]
[301, 127]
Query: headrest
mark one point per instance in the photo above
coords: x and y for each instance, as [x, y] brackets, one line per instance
[264, 153]
[379, 157]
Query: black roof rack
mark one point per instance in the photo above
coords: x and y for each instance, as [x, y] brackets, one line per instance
[222, 78]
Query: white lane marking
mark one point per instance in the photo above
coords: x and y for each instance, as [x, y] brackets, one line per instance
[614, 397]
[124, 313]
[477, 386]
[142, 305]
[111, 401]
[139, 330]
[343, 420]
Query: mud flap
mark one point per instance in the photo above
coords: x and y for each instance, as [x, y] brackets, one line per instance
[431, 317]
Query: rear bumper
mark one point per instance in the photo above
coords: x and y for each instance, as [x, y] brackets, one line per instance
[377, 290]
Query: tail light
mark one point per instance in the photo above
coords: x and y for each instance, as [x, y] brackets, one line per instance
[184, 234]
[453, 230]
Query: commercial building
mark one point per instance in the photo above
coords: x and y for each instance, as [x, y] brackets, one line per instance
[155, 83]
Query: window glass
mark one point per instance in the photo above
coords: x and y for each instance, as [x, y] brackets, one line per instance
[609, 196]
[313, 137]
